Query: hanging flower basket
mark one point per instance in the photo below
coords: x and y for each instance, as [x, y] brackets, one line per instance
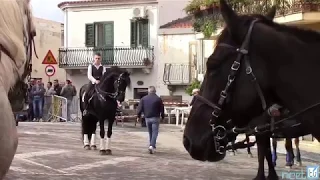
[146, 62]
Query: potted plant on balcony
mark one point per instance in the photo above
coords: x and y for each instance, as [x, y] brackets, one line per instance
[195, 84]
[147, 62]
[208, 27]
[194, 8]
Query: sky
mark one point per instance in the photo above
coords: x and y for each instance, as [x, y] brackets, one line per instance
[47, 9]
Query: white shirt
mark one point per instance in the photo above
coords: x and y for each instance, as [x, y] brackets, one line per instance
[89, 73]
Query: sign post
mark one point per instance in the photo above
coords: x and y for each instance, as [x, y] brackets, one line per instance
[50, 71]
[49, 59]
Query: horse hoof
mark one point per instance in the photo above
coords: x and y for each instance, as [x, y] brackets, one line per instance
[87, 147]
[299, 164]
[250, 156]
[259, 178]
[94, 147]
[288, 166]
[108, 152]
[103, 152]
[273, 177]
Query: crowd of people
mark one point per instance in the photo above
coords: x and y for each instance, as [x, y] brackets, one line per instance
[37, 93]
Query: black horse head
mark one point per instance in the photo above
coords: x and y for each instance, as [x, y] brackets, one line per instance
[113, 84]
[237, 82]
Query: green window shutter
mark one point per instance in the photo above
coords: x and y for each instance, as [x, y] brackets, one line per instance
[89, 35]
[144, 35]
[133, 38]
[109, 34]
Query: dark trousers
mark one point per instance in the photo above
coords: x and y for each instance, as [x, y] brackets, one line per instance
[30, 111]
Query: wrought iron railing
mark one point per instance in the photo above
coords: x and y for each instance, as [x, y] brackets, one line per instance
[80, 57]
[176, 74]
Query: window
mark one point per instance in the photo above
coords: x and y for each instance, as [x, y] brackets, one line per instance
[99, 34]
[140, 33]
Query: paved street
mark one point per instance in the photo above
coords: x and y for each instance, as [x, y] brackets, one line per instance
[54, 151]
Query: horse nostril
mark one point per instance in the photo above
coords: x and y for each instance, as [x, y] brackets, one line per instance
[186, 143]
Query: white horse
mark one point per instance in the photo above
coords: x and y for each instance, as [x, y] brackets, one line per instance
[16, 38]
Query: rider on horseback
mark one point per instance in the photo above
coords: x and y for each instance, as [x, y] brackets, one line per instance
[95, 72]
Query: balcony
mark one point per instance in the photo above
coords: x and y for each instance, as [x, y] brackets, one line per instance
[207, 17]
[80, 58]
[176, 74]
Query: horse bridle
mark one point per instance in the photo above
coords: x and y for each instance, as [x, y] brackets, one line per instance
[219, 131]
[102, 94]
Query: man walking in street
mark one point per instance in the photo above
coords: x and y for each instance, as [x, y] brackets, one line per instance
[152, 108]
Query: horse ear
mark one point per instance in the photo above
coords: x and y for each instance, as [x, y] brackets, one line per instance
[271, 13]
[230, 17]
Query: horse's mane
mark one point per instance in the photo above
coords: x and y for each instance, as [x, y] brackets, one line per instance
[12, 24]
[304, 35]
[115, 71]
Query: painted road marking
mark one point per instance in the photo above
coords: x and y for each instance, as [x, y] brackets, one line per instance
[100, 164]
[44, 166]
[39, 153]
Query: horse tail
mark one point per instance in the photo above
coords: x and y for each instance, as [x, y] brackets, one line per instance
[81, 91]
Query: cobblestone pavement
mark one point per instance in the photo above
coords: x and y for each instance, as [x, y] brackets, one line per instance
[54, 151]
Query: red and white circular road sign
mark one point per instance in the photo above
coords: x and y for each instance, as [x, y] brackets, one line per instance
[50, 70]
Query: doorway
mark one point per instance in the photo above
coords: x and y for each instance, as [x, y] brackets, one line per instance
[139, 93]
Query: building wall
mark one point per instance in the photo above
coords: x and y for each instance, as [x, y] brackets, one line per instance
[75, 20]
[48, 38]
[174, 48]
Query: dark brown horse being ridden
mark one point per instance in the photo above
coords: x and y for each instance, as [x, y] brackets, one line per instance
[256, 63]
[103, 106]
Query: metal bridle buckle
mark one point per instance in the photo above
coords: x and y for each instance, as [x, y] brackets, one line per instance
[219, 132]
[235, 66]
[219, 149]
[216, 112]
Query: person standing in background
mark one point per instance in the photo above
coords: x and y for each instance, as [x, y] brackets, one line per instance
[38, 92]
[68, 91]
[50, 90]
[57, 87]
[31, 83]
[195, 92]
[152, 107]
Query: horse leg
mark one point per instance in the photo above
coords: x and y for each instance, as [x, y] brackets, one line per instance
[248, 147]
[289, 154]
[274, 151]
[261, 154]
[272, 174]
[102, 140]
[296, 142]
[233, 149]
[109, 134]
[85, 123]
[93, 128]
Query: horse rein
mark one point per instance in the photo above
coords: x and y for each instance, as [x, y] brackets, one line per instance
[114, 95]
